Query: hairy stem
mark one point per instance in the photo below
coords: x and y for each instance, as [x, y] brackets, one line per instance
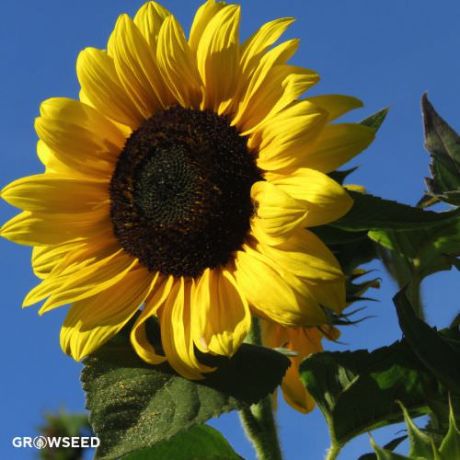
[258, 420]
[333, 452]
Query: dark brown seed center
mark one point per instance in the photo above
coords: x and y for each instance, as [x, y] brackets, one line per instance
[180, 192]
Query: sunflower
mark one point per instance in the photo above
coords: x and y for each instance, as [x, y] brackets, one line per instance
[180, 186]
[303, 341]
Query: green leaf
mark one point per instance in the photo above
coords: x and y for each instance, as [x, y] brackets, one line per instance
[450, 446]
[411, 255]
[443, 144]
[201, 442]
[376, 120]
[343, 384]
[426, 250]
[134, 405]
[429, 346]
[373, 213]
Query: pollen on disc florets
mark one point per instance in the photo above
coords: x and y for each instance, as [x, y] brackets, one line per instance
[180, 192]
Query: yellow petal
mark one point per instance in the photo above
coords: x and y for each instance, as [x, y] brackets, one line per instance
[293, 81]
[137, 68]
[305, 341]
[305, 255]
[45, 258]
[177, 64]
[256, 45]
[221, 316]
[273, 293]
[273, 335]
[277, 213]
[35, 229]
[84, 252]
[329, 294]
[87, 282]
[250, 111]
[100, 83]
[336, 145]
[149, 19]
[161, 289]
[53, 164]
[71, 286]
[284, 137]
[203, 17]
[325, 200]
[176, 334]
[83, 117]
[218, 58]
[336, 105]
[285, 84]
[294, 391]
[56, 193]
[79, 136]
[93, 321]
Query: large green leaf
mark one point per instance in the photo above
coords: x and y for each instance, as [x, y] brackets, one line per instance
[431, 348]
[357, 391]
[427, 251]
[443, 144]
[371, 213]
[415, 371]
[134, 405]
[411, 255]
[201, 442]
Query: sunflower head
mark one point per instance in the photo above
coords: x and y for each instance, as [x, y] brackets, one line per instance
[181, 186]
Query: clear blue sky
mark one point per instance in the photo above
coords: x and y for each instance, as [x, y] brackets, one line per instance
[387, 53]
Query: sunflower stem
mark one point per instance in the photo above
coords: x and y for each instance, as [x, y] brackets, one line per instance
[333, 452]
[258, 420]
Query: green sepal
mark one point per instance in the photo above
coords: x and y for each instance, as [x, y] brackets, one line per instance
[375, 121]
[421, 445]
[450, 445]
[385, 454]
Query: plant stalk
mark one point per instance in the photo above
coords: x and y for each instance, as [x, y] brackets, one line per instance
[258, 420]
[333, 452]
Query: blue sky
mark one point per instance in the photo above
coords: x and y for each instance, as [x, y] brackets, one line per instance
[386, 53]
